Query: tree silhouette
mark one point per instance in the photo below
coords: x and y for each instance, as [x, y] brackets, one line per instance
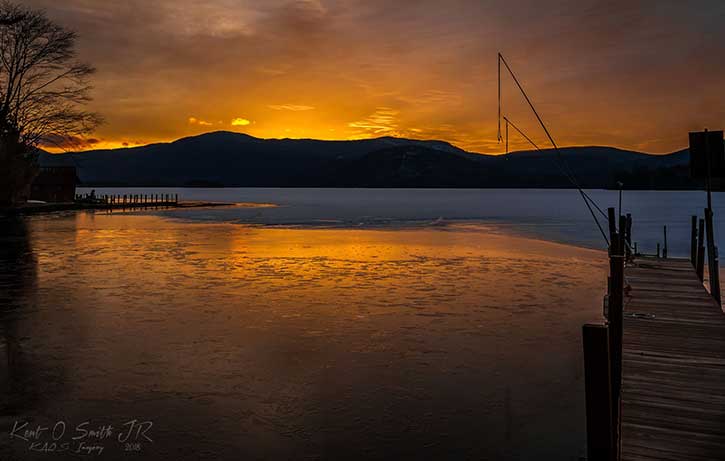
[42, 91]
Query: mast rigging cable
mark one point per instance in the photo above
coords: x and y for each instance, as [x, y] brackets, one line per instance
[563, 166]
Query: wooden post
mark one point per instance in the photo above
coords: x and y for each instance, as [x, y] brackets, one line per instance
[601, 443]
[715, 276]
[615, 317]
[176, 199]
[616, 305]
[629, 235]
[701, 251]
[693, 242]
[712, 257]
[664, 248]
[658, 249]
[612, 223]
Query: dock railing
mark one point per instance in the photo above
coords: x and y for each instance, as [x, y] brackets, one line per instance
[123, 201]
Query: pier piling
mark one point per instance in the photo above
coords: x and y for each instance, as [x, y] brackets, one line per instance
[597, 381]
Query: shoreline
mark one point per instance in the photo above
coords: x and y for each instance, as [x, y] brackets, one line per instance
[38, 208]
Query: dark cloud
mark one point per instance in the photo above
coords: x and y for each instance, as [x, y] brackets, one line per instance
[68, 142]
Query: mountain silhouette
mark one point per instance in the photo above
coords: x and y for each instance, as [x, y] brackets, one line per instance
[238, 160]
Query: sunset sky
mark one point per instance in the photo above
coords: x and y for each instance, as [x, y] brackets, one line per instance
[630, 74]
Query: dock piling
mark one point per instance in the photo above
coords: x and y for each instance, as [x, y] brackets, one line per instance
[664, 248]
[615, 311]
[700, 268]
[712, 267]
[628, 238]
[693, 241]
[597, 383]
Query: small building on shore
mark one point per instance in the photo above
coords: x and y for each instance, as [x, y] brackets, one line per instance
[55, 184]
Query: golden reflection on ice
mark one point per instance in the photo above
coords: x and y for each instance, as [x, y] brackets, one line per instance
[288, 334]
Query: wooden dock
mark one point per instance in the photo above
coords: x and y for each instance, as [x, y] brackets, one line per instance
[111, 204]
[673, 364]
[655, 369]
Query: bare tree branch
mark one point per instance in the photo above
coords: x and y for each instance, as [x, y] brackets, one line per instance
[39, 75]
[42, 91]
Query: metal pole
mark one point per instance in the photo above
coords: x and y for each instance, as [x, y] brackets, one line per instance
[693, 242]
[507, 136]
[664, 249]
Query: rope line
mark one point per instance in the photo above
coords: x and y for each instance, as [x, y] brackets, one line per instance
[521, 132]
[563, 165]
[584, 196]
[569, 174]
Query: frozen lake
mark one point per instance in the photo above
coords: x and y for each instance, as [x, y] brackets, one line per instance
[549, 214]
[337, 324]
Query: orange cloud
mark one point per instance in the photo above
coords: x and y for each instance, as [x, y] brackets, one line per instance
[239, 121]
[291, 107]
[384, 121]
[196, 121]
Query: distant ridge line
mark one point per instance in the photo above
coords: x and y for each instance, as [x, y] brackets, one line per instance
[224, 158]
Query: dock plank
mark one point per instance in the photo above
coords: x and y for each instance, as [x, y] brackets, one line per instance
[673, 367]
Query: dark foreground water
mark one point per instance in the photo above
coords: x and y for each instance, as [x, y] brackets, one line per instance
[337, 324]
